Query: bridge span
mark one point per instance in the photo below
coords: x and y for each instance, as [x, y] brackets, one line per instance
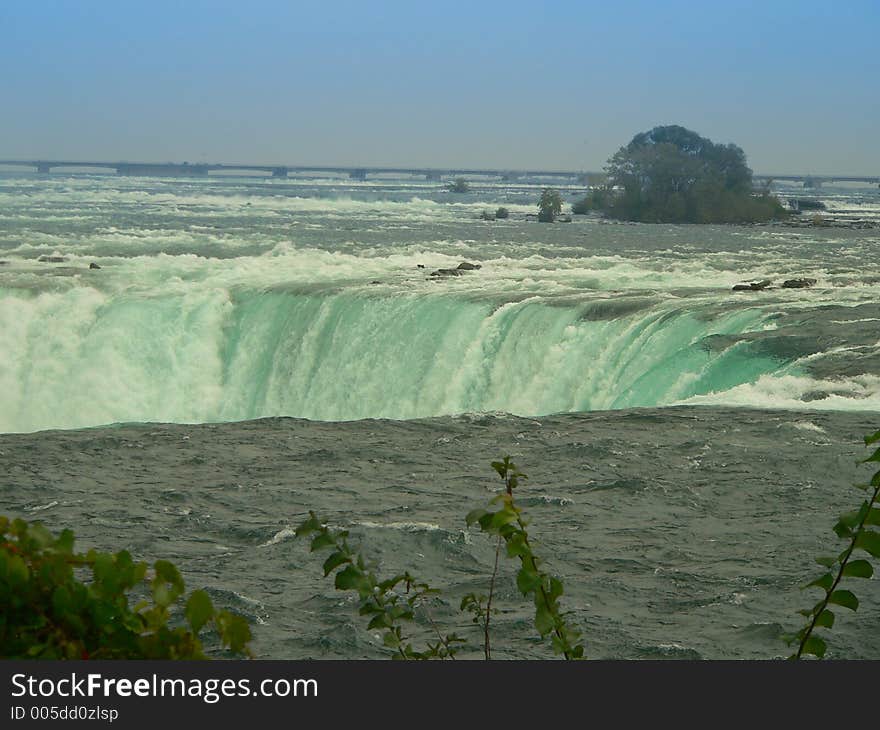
[203, 169]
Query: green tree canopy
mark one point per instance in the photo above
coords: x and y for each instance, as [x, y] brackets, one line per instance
[672, 174]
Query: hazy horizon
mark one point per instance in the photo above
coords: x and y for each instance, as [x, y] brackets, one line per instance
[496, 86]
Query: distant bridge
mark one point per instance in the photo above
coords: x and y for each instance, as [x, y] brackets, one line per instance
[815, 181]
[201, 169]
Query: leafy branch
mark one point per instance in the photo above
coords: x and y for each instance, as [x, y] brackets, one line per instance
[507, 522]
[379, 599]
[853, 527]
[481, 606]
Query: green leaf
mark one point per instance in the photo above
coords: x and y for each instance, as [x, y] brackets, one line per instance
[825, 619]
[873, 517]
[815, 646]
[869, 541]
[873, 457]
[233, 630]
[381, 621]
[501, 467]
[851, 519]
[844, 598]
[824, 582]
[199, 610]
[389, 583]
[873, 438]
[502, 517]
[165, 571]
[544, 622]
[842, 530]
[559, 646]
[65, 542]
[474, 516]
[18, 572]
[527, 580]
[858, 569]
[322, 540]
[351, 578]
[167, 585]
[826, 561]
[556, 589]
[516, 545]
[313, 524]
[334, 561]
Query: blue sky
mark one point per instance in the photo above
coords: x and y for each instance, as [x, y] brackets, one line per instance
[509, 85]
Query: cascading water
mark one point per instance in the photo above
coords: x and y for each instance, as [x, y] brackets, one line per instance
[228, 300]
[82, 358]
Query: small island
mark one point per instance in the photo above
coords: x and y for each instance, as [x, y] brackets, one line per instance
[673, 175]
[459, 185]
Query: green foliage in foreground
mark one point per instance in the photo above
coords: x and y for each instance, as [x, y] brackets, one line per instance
[508, 523]
[854, 527]
[390, 610]
[49, 612]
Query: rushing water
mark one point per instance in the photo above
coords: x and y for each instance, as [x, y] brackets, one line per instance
[682, 528]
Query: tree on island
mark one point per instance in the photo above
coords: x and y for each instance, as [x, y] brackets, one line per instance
[459, 185]
[673, 175]
[549, 206]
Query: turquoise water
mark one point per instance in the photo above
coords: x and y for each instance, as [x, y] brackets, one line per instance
[227, 300]
[275, 346]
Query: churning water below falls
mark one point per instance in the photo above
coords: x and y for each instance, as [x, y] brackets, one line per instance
[244, 350]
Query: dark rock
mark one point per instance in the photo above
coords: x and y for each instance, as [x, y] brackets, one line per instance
[93, 265]
[802, 283]
[4, 263]
[420, 266]
[447, 272]
[52, 259]
[375, 281]
[799, 204]
[465, 266]
[753, 286]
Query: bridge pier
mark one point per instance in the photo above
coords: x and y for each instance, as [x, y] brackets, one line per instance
[433, 176]
[43, 168]
[280, 172]
[358, 174]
